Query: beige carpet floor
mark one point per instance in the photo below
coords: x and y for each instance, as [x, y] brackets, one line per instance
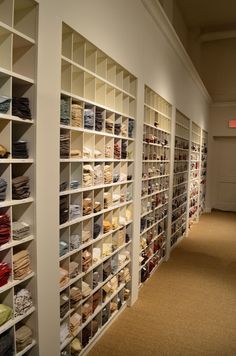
[188, 307]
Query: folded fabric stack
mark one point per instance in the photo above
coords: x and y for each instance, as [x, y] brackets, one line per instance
[114, 283]
[96, 279]
[87, 152]
[109, 126]
[64, 332]
[4, 104]
[86, 290]
[63, 248]
[75, 322]
[108, 150]
[97, 207]
[96, 300]
[75, 347]
[22, 302]
[121, 238]
[65, 112]
[63, 277]
[20, 187]
[99, 119]
[96, 230]
[24, 337]
[106, 226]
[86, 335]
[65, 145]
[75, 296]
[20, 149]
[73, 269]
[123, 256]
[115, 224]
[75, 241]
[96, 254]
[107, 199]
[108, 174]
[86, 235]
[5, 229]
[113, 307]
[87, 175]
[98, 174]
[86, 260]
[124, 130]
[126, 294]
[21, 264]
[105, 314]
[75, 211]
[77, 115]
[64, 305]
[115, 198]
[74, 184]
[5, 313]
[20, 108]
[123, 177]
[131, 128]
[116, 150]
[106, 249]
[124, 149]
[116, 177]
[3, 152]
[97, 154]
[124, 275]
[87, 310]
[7, 342]
[64, 210]
[87, 206]
[3, 189]
[5, 272]
[117, 129]
[63, 186]
[88, 119]
[75, 153]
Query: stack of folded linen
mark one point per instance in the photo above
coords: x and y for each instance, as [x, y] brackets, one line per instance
[20, 187]
[96, 254]
[99, 119]
[3, 152]
[98, 174]
[75, 211]
[63, 186]
[107, 199]
[75, 296]
[123, 177]
[24, 337]
[75, 241]
[22, 302]
[106, 226]
[123, 256]
[64, 305]
[77, 115]
[64, 209]
[76, 347]
[97, 207]
[86, 235]
[4, 104]
[20, 229]
[86, 260]
[117, 129]
[5, 229]
[20, 149]
[96, 230]
[115, 198]
[87, 206]
[108, 174]
[75, 322]
[21, 264]
[97, 154]
[5, 313]
[5, 272]
[88, 119]
[73, 269]
[115, 223]
[74, 184]
[106, 249]
[86, 290]
[75, 153]
[113, 307]
[63, 248]
[3, 189]
[117, 150]
[96, 279]
[87, 310]
[63, 277]
[108, 150]
[87, 153]
[7, 342]
[64, 332]
[65, 112]
[116, 177]
[96, 300]
[20, 108]
[131, 128]
[64, 145]
[124, 149]
[109, 126]
[124, 130]
[87, 175]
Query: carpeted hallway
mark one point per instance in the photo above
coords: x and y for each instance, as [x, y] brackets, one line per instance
[189, 305]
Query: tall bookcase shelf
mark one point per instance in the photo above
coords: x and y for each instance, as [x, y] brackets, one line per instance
[204, 148]
[97, 128]
[155, 182]
[18, 51]
[195, 168]
[180, 178]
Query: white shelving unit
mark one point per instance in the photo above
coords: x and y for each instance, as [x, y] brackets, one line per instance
[155, 183]
[18, 52]
[195, 167]
[204, 148]
[98, 103]
[180, 179]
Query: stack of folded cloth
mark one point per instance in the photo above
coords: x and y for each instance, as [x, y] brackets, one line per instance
[109, 126]
[108, 151]
[122, 221]
[86, 235]
[21, 264]
[106, 249]
[117, 150]
[123, 177]
[131, 128]
[64, 332]
[3, 152]
[64, 210]
[87, 152]
[121, 238]
[75, 211]
[96, 279]
[96, 300]
[64, 145]
[117, 129]
[98, 174]
[5, 272]
[124, 149]
[113, 307]
[24, 337]
[86, 260]
[20, 187]
[73, 269]
[105, 314]
[65, 112]
[5, 313]
[107, 200]
[20, 229]
[22, 302]
[75, 347]
[96, 230]
[106, 226]
[75, 322]
[97, 154]
[87, 206]
[4, 104]
[87, 310]
[124, 275]
[63, 186]
[124, 130]
[108, 174]
[116, 177]
[64, 305]
[3, 189]
[86, 335]
[87, 175]
[96, 254]
[74, 184]
[75, 153]
[115, 224]
[75, 241]
[88, 119]
[123, 256]
[63, 277]
[20, 149]
[97, 207]
[63, 248]
[98, 119]
[5, 229]
[86, 290]
[7, 342]
[115, 198]
[75, 296]
[20, 108]
[76, 115]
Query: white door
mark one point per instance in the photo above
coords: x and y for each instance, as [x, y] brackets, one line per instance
[224, 173]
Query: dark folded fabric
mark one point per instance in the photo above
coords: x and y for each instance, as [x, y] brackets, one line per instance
[96, 230]
[20, 108]
[20, 187]
[64, 210]
[117, 129]
[7, 343]
[124, 149]
[4, 104]
[5, 231]
[20, 149]
[65, 112]
[131, 128]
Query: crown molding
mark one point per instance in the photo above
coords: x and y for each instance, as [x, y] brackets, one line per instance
[161, 20]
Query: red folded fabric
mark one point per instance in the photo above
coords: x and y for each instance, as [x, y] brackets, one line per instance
[5, 272]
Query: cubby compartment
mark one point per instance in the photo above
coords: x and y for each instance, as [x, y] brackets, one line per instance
[5, 137]
[78, 51]
[78, 81]
[25, 17]
[5, 48]
[76, 234]
[5, 175]
[76, 147]
[23, 61]
[66, 77]
[110, 96]
[100, 92]
[6, 11]
[67, 41]
[24, 89]
[22, 141]
[23, 181]
[90, 57]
